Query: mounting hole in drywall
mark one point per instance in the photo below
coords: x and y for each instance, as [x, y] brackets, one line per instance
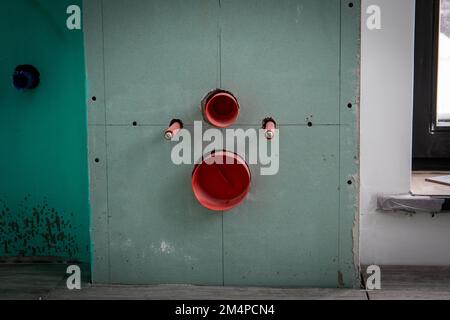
[349, 182]
[350, 4]
[135, 123]
[349, 106]
[97, 160]
[94, 98]
[310, 124]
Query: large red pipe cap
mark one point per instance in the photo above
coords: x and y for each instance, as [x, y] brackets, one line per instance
[222, 181]
[222, 109]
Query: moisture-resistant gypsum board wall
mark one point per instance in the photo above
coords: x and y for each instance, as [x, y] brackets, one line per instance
[44, 198]
[152, 61]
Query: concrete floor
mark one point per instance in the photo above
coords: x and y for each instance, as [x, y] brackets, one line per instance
[48, 281]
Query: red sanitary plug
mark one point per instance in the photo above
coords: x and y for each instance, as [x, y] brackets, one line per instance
[220, 108]
[222, 181]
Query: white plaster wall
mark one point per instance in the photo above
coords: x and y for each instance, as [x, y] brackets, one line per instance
[387, 73]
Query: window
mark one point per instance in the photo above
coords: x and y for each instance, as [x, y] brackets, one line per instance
[431, 137]
[443, 70]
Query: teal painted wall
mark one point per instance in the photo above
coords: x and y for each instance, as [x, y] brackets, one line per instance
[44, 198]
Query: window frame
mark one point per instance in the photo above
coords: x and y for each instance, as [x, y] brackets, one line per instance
[431, 143]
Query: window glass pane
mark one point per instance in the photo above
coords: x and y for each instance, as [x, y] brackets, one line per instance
[443, 90]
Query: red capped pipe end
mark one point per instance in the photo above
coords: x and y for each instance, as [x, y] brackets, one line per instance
[221, 109]
[222, 181]
[175, 126]
[269, 125]
[270, 130]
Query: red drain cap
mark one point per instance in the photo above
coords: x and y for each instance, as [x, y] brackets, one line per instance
[222, 181]
[222, 109]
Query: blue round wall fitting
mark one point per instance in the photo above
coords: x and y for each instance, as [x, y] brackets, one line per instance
[26, 77]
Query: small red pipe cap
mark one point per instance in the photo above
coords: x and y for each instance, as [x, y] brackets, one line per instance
[222, 181]
[222, 109]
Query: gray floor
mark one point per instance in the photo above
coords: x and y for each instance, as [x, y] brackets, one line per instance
[48, 281]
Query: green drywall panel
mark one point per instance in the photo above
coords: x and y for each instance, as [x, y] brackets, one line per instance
[285, 233]
[44, 203]
[93, 33]
[349, 144]
[145, 235]
[159, 233]
[152, 61]
[297, 62]
[99, 204]
[280, 58]
[161, 58]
